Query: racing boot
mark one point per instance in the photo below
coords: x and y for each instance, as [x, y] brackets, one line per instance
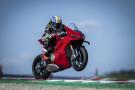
[52, 67]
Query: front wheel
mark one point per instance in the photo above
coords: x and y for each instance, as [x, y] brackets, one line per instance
[38, 68]
[81, 60]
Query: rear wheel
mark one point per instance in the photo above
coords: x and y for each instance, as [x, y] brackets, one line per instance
[38, 68]
[80, 62]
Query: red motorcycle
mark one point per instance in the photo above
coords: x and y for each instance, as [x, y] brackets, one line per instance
[68, 52]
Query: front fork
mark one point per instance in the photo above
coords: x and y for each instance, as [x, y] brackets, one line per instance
[74, 53]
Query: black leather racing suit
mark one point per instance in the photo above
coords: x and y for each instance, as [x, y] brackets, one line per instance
[49, 43]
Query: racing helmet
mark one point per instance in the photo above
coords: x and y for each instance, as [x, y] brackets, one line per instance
[56, 22]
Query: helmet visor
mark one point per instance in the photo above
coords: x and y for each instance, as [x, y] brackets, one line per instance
[57, 25]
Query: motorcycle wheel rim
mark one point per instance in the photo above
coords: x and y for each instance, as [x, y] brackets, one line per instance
[78, 61]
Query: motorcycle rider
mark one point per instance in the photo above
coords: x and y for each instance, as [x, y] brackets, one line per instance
[54, 27]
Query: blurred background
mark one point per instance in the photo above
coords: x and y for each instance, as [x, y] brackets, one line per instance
[108, 24]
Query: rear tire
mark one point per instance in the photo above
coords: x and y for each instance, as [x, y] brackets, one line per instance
[84, 59]
[45, 73]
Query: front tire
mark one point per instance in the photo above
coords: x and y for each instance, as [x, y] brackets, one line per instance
[80, 63]
[38, 71]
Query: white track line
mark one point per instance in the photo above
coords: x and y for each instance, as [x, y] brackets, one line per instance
[92, 81]
[132, 81]
[72, 80]
[88, 81]
[53, 80]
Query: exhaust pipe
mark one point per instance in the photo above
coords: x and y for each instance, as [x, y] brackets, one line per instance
[52, 68]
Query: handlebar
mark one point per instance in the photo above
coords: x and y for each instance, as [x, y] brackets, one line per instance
[87, 42]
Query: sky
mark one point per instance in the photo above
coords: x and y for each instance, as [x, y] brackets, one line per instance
[108, 24]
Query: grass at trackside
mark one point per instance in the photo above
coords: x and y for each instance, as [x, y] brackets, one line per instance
[70, 84]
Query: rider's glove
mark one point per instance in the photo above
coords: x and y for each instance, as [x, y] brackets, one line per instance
[61, 34]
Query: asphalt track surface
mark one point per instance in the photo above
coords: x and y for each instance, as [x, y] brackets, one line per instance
[18, 84]
[28, 87]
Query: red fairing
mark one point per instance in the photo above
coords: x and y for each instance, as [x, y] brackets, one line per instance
[60, 51]
[60, 55]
